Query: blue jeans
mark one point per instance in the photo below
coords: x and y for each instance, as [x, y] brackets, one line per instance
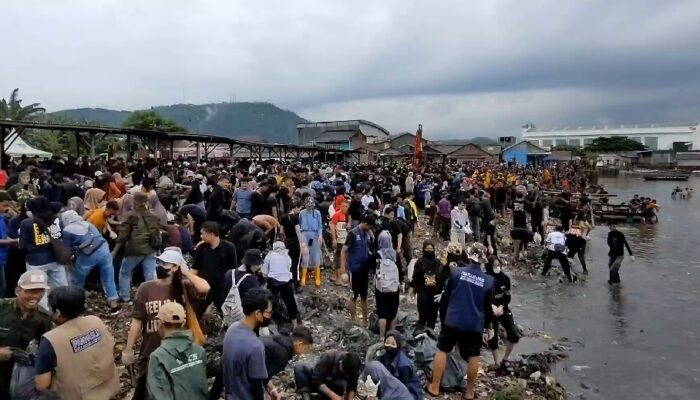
[128, 264]
[102, 259]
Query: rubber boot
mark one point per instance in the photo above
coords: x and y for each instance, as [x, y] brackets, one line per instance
[317, 273]
[304, 271]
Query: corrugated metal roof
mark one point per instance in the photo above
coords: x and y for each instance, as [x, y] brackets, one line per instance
[335, 136]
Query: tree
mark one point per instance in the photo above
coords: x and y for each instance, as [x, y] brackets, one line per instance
[13, 109]
[614, 144]
[151, 120]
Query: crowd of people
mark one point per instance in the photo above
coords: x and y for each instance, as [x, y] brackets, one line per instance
[168, 241]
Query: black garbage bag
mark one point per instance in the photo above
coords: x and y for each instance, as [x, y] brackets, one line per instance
[22, 381]
[455, 370]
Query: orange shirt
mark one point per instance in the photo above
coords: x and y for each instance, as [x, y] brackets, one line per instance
[98, 218]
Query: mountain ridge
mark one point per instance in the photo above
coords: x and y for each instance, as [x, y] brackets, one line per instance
[247, 120]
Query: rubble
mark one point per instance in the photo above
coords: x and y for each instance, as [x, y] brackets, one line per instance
[324, 311]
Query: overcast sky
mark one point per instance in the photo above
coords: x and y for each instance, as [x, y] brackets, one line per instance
[461, 68]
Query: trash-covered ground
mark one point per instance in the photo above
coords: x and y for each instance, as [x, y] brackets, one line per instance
[324, 311]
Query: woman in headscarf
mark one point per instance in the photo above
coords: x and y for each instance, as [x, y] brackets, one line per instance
[155, 206]
[76, 204]
[428, 281]
[94, 199]
[90, 250]
[119, 183]
[399, 365]
[107, 183]
[387, 282]
[389, 388]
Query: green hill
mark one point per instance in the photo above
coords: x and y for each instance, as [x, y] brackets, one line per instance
[249, 121]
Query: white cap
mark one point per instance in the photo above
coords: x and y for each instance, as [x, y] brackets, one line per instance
[189, 173]
[98, 173]
[88, 184]
[185, 163]
[172, 257]
[199, 176]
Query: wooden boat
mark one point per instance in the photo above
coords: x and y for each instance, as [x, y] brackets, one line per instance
[667, 176]
[616, 212]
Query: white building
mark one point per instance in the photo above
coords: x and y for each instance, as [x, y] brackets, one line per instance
[654, 136]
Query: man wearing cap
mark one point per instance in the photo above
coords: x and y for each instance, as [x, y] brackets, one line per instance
[71, 358]
[21, 321]
[177, 368]
[466, 304]
[173, 277]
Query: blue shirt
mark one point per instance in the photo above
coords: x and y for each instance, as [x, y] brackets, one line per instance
[3, 235]
[469, 291]
[358, 243]
[36, 243]
[243, 360]
[310, 221]
[243, 200]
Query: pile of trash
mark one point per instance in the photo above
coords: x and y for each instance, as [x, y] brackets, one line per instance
[324, 311]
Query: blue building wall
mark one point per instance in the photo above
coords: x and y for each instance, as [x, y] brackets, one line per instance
[519, 155]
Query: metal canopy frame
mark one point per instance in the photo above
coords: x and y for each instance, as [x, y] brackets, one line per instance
[87, 136]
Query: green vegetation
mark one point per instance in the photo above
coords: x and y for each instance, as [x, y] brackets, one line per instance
[151, 120]
[249, 121]
[13, 109]
[614, 144]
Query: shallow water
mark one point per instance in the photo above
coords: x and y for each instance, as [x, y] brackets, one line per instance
[639, 340]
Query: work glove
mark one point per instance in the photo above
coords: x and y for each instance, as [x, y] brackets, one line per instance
[128, 357]
[371, 388]
[632, 258]
[497, 310]
[112, 235]
[437, 297]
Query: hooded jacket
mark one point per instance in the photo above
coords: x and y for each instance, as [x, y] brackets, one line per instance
[177, 370]
[401, 367]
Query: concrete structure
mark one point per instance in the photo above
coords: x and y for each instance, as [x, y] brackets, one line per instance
[340, 140]
[654, 136]
[524, 153]
[471, 152]
[308, 132]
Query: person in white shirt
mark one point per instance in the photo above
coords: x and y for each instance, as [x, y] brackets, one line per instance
[556, 248]
[410, 184]
[460, 224]
[277, 268]
[367, 199]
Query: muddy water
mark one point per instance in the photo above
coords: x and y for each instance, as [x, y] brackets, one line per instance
[640, 340]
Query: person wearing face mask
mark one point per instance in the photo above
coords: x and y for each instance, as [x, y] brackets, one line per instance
[71, 357]
[501, 312]
[460, 223]
[333, 377]
[428, 281]
[399, 365]
[248, 276]
[173, 278]
[310, 233]
[243, 358]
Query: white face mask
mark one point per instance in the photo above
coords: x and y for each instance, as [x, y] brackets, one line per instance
[496, 270]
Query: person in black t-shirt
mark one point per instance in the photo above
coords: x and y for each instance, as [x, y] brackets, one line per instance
[289, 222]
[355, 210]
[519, 213]
[258, 201]
[213, 258]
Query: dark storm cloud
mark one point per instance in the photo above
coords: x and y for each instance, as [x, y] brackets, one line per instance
[461, 68]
